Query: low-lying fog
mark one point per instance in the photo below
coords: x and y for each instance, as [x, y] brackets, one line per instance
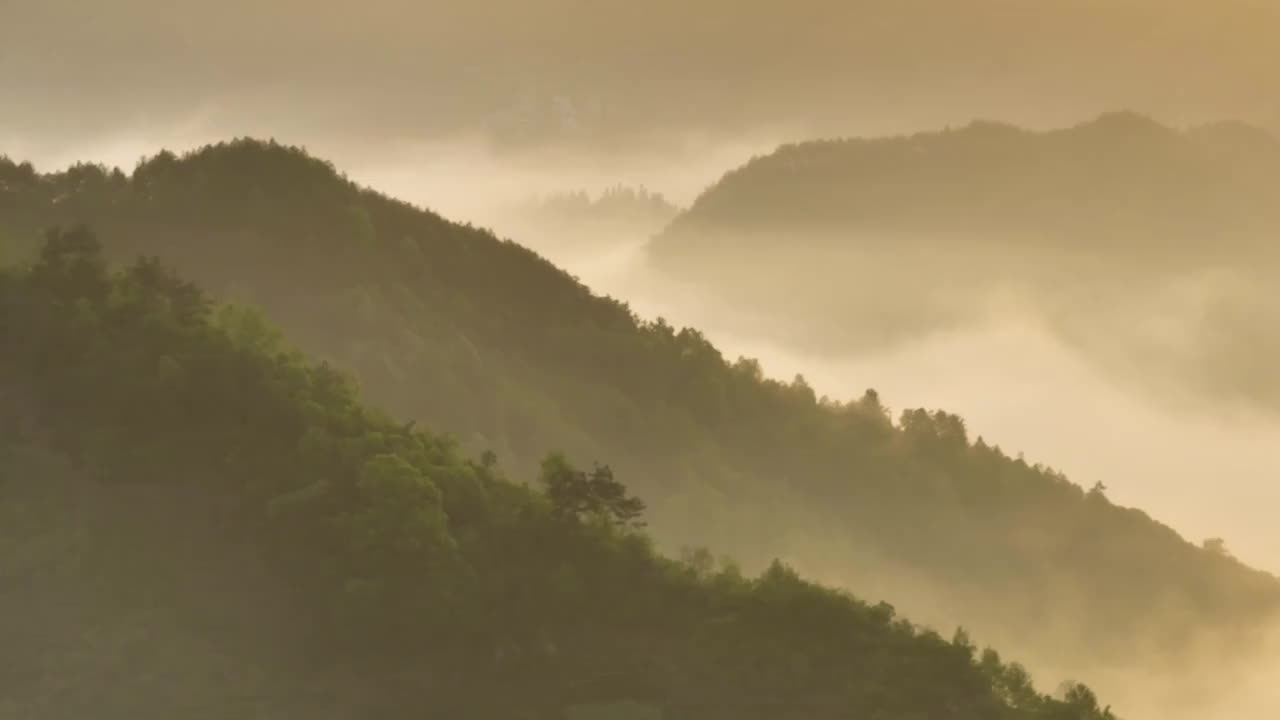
[1208, 471]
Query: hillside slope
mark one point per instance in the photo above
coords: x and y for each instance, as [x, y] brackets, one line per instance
[199, 523]
[1120, 182]
[463, 332]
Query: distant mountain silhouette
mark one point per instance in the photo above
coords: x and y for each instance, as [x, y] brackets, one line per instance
[1121, 181]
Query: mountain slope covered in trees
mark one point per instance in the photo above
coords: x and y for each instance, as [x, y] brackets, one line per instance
[201, 523]
[1122, 181]
[465, 333]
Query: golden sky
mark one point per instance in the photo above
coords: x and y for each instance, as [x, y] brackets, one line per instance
[606, 71]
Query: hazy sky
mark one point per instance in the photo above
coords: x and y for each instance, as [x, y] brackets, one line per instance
[610, 72]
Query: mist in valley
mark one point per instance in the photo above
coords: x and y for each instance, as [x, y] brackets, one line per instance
[1145, 374]
[925, 331]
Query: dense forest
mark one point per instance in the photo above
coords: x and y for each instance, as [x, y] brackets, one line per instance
[1121, 182]
[451, 327]
[200, 522]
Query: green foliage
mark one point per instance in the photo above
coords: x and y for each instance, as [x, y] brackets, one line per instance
[249, 329]
[596, 495]
[394, 553]
[404, 515]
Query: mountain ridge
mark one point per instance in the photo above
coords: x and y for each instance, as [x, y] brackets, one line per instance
[984, 178]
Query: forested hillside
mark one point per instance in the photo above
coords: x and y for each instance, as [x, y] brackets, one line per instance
[1122, 182]
[199, 522]
[465, 333]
